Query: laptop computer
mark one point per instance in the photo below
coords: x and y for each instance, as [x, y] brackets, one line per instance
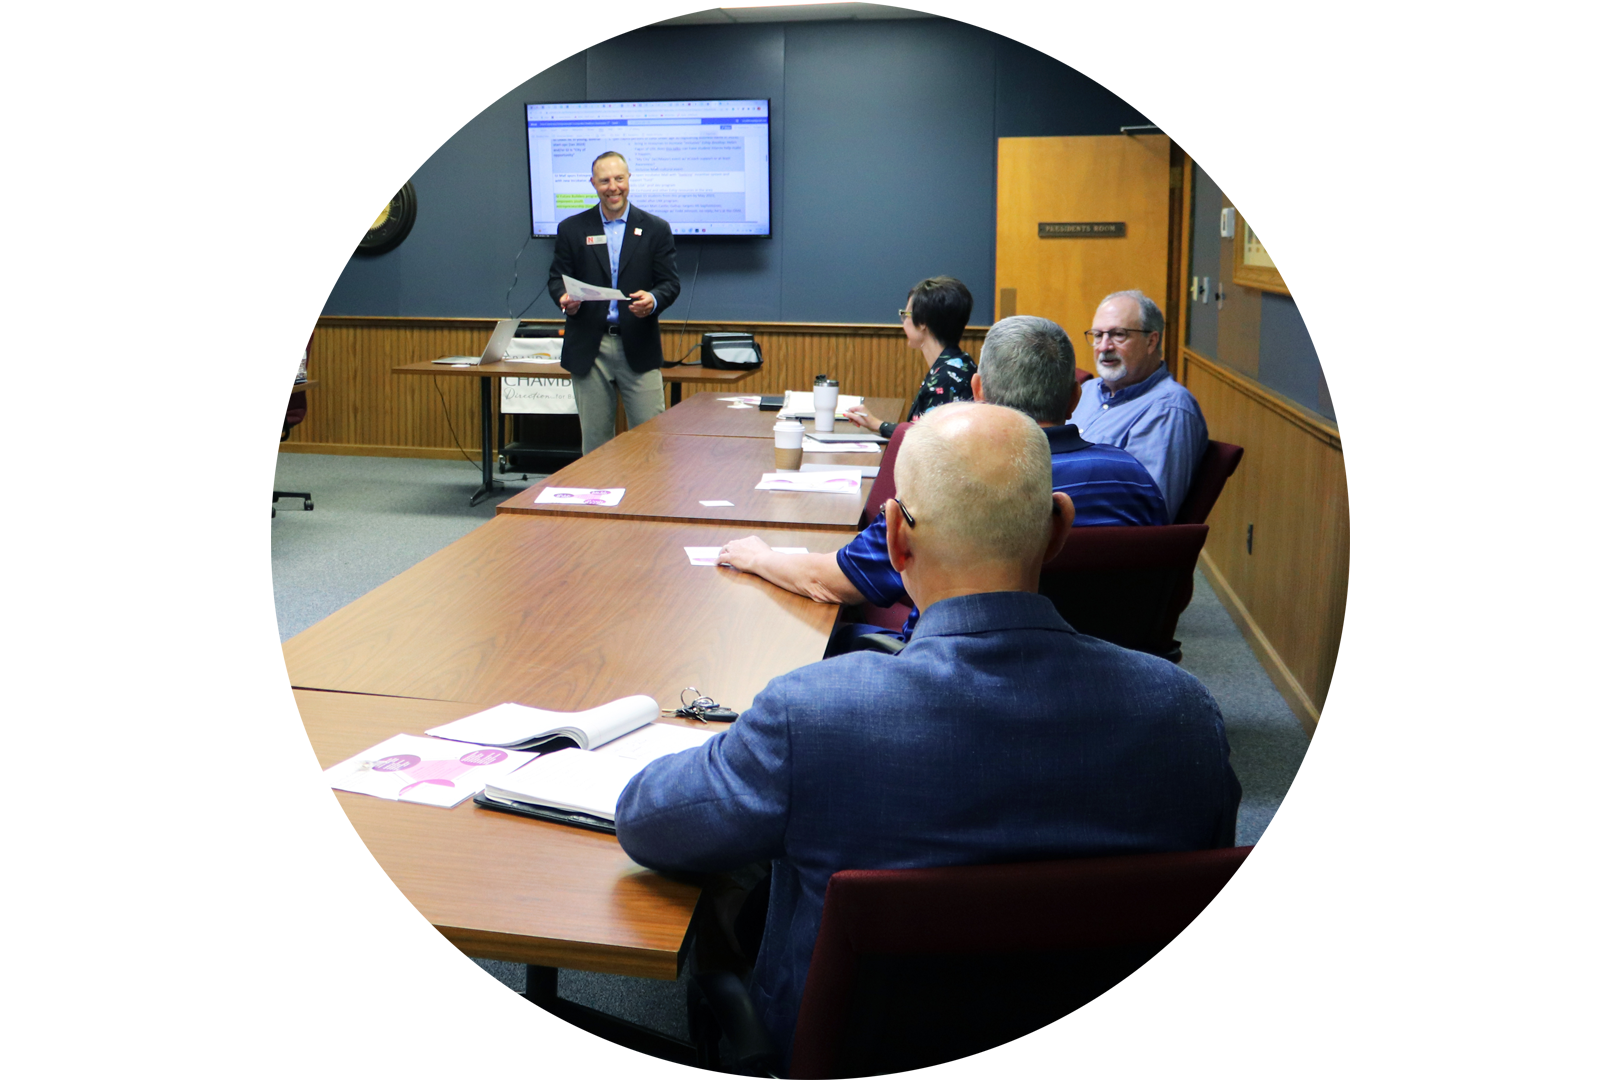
[494, 352]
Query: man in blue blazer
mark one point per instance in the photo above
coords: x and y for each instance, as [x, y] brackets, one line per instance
[612, 347]
[999, 734]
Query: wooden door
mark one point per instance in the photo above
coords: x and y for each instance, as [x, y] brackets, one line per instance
[1081, 179]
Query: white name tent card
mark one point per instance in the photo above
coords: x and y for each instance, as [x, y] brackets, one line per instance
[837, 481]
[580, 496]
[710, 556]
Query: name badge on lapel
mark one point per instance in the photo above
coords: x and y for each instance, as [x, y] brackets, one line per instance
[638, 232]
[595, 240]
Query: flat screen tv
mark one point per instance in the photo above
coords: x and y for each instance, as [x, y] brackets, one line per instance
[703, 166]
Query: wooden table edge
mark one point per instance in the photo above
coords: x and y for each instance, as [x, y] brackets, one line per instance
[741, 523]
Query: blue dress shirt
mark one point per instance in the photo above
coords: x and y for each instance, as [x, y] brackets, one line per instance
[1108, 487]
[1157, 420]
[614, 231]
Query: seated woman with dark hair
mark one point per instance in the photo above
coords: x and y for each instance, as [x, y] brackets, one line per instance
[936, 311]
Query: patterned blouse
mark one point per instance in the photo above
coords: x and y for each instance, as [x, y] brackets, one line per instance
[950, 379]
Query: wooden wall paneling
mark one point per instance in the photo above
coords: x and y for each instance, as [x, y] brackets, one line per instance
[361, 407]
[1289, 594]
[868, 360]
[365, 408]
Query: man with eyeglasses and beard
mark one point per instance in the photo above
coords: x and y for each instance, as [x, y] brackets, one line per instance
[1027, 363]
[1133, 403]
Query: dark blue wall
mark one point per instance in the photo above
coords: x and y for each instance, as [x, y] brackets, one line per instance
[883, 143]
[1253, 131]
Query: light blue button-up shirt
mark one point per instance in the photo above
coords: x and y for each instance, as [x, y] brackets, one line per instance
[614, 231]
[1157, 420]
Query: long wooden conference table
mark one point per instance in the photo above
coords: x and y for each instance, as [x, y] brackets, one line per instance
[562, 612]
[484, 373]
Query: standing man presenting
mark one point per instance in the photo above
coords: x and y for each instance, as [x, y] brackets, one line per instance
[612, 347]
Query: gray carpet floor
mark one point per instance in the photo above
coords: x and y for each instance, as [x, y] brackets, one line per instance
[376, 517]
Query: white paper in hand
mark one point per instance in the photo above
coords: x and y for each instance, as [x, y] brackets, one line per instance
[578, 290]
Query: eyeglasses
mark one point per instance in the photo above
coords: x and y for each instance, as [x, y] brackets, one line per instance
[1119, 337]
[905, 313]
[911, 521]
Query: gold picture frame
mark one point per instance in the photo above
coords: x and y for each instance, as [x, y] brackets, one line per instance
[1251, 265]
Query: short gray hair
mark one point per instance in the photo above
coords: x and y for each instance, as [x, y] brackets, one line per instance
[608, 154]
[978, 506]
[1027, 363]
[1152, 317]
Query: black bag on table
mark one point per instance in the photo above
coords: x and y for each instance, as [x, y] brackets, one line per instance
[731, 352]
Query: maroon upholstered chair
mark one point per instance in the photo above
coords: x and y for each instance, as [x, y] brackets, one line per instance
[297, 409]
[1121, 582]
[1219, 462]
[918, 967]
[883, 486]
[1124, 584]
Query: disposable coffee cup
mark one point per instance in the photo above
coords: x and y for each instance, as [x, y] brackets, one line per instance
[789, 444]
[825, 400]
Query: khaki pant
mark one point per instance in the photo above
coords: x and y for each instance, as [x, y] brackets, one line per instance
[597, 392]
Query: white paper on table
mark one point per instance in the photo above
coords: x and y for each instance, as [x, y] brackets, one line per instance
[827, 481]
[710, 556]
[716, 502]
[801, 405]
[743, 399]
[589, 782]
[813, 445]
[578, 290]
[656, 740]
[513, 725]
[415, 768]
[581, 496]
[300, 779]
[535, 350]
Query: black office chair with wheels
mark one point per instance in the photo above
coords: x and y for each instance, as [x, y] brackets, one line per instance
[289, 408]
[297, 407]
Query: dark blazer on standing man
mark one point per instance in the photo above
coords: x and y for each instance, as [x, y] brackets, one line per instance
[646, 261]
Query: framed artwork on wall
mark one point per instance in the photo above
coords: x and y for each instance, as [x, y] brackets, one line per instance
[1251, 265]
